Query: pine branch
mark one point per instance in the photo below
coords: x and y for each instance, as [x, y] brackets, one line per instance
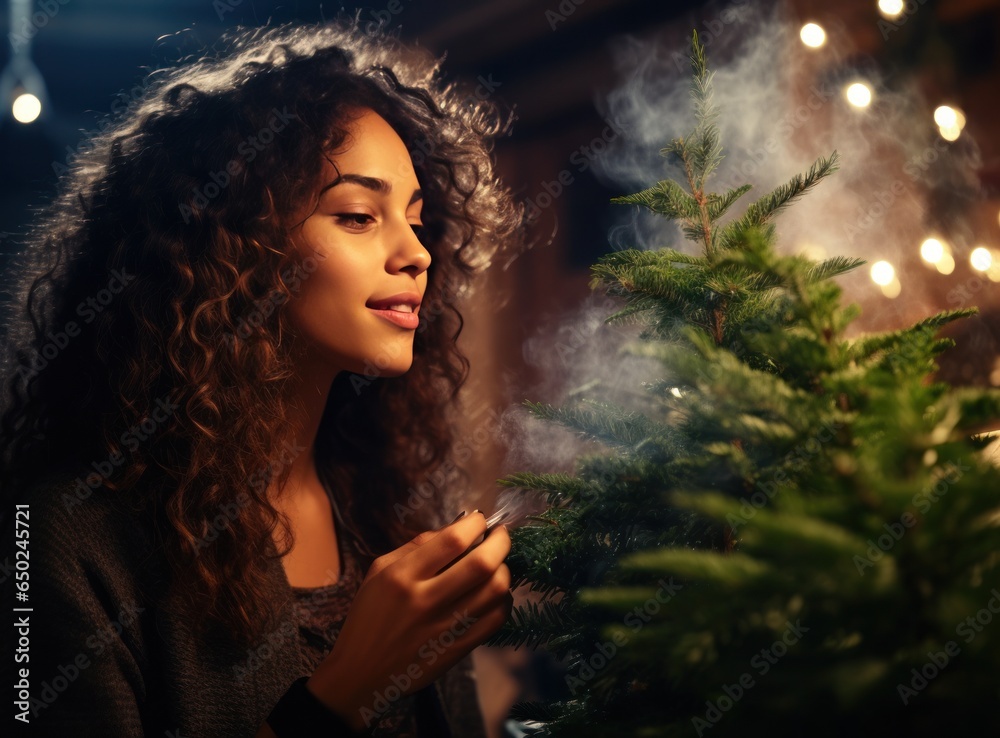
[833, 267]
[718, 205]
[765, 208]
[879, 343]
[666, 198]
[535, 624]
[557, 487]
[602, 422]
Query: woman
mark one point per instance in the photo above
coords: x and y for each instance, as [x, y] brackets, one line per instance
[236, 361]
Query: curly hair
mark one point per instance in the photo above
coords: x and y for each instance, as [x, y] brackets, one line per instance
[151, 311]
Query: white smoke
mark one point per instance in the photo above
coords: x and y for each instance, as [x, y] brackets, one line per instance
[781, 107]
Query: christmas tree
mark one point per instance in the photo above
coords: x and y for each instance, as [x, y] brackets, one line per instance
[797, 535]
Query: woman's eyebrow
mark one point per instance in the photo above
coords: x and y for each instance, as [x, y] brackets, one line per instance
[374, 184]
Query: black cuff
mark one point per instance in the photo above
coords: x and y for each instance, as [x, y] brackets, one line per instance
[299, 714]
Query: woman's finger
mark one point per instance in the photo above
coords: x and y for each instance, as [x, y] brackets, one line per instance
[477, 566]
[426, 560]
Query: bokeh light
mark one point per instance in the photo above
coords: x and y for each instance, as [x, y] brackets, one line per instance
[947, 263]
[981, 259]
[892, 289]
[950, 122]
[891, 8]
[883, 273]
[932, 250]
[813, 35]
[26, 108]
[859, 95]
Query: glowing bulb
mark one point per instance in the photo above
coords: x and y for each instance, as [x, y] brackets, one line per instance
[950, 122]
[981, 259]
[892, 289]
[932, 250]
[813, 35]
[883, 273]
[945, 116]
[26, 108]
[890, 8]
[950, 134]
[947, 263]
[859, 95]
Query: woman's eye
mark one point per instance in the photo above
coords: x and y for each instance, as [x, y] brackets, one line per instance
[419, 229]
[354, 221]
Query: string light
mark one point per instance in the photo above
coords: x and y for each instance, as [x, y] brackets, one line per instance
[813, 35]
[947, 264]
[882, 273]
[26, 108]
[890, 8]
[859, 95]
[932, 251]
[892, 289]
[950, 122]
[981, 259]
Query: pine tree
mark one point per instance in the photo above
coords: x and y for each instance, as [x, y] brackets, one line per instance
[798, 535]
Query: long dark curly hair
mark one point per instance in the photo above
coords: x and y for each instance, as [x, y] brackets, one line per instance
[147, 332]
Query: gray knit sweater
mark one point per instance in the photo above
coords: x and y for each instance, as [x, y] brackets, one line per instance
[111, 655]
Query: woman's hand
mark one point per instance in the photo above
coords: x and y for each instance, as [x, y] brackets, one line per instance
[419, 610]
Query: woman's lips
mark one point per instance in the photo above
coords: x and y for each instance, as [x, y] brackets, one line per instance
[385, 308]
[403, 320]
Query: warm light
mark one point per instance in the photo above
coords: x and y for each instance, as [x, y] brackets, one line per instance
[981, 259]
[892, 289]
[947, 264]
[26, 108]
[883, 273]
[945, 116]
[950, 122]
[675, 392]
[950, 134]
[932, 250]
[813, 35]
[890, 8]
[859, 95]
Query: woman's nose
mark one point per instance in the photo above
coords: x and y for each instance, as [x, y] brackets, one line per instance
[412, 254]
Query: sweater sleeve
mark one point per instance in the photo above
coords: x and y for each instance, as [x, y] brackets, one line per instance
[460, 700]
[83, 628]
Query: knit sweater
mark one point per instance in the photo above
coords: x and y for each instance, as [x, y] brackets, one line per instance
[110, 652]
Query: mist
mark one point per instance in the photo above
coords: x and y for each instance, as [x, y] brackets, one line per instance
[782, 106]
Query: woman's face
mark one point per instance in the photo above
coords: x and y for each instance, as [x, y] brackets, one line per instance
[353, 310]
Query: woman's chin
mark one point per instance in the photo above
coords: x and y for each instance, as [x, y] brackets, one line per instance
[380, 367]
